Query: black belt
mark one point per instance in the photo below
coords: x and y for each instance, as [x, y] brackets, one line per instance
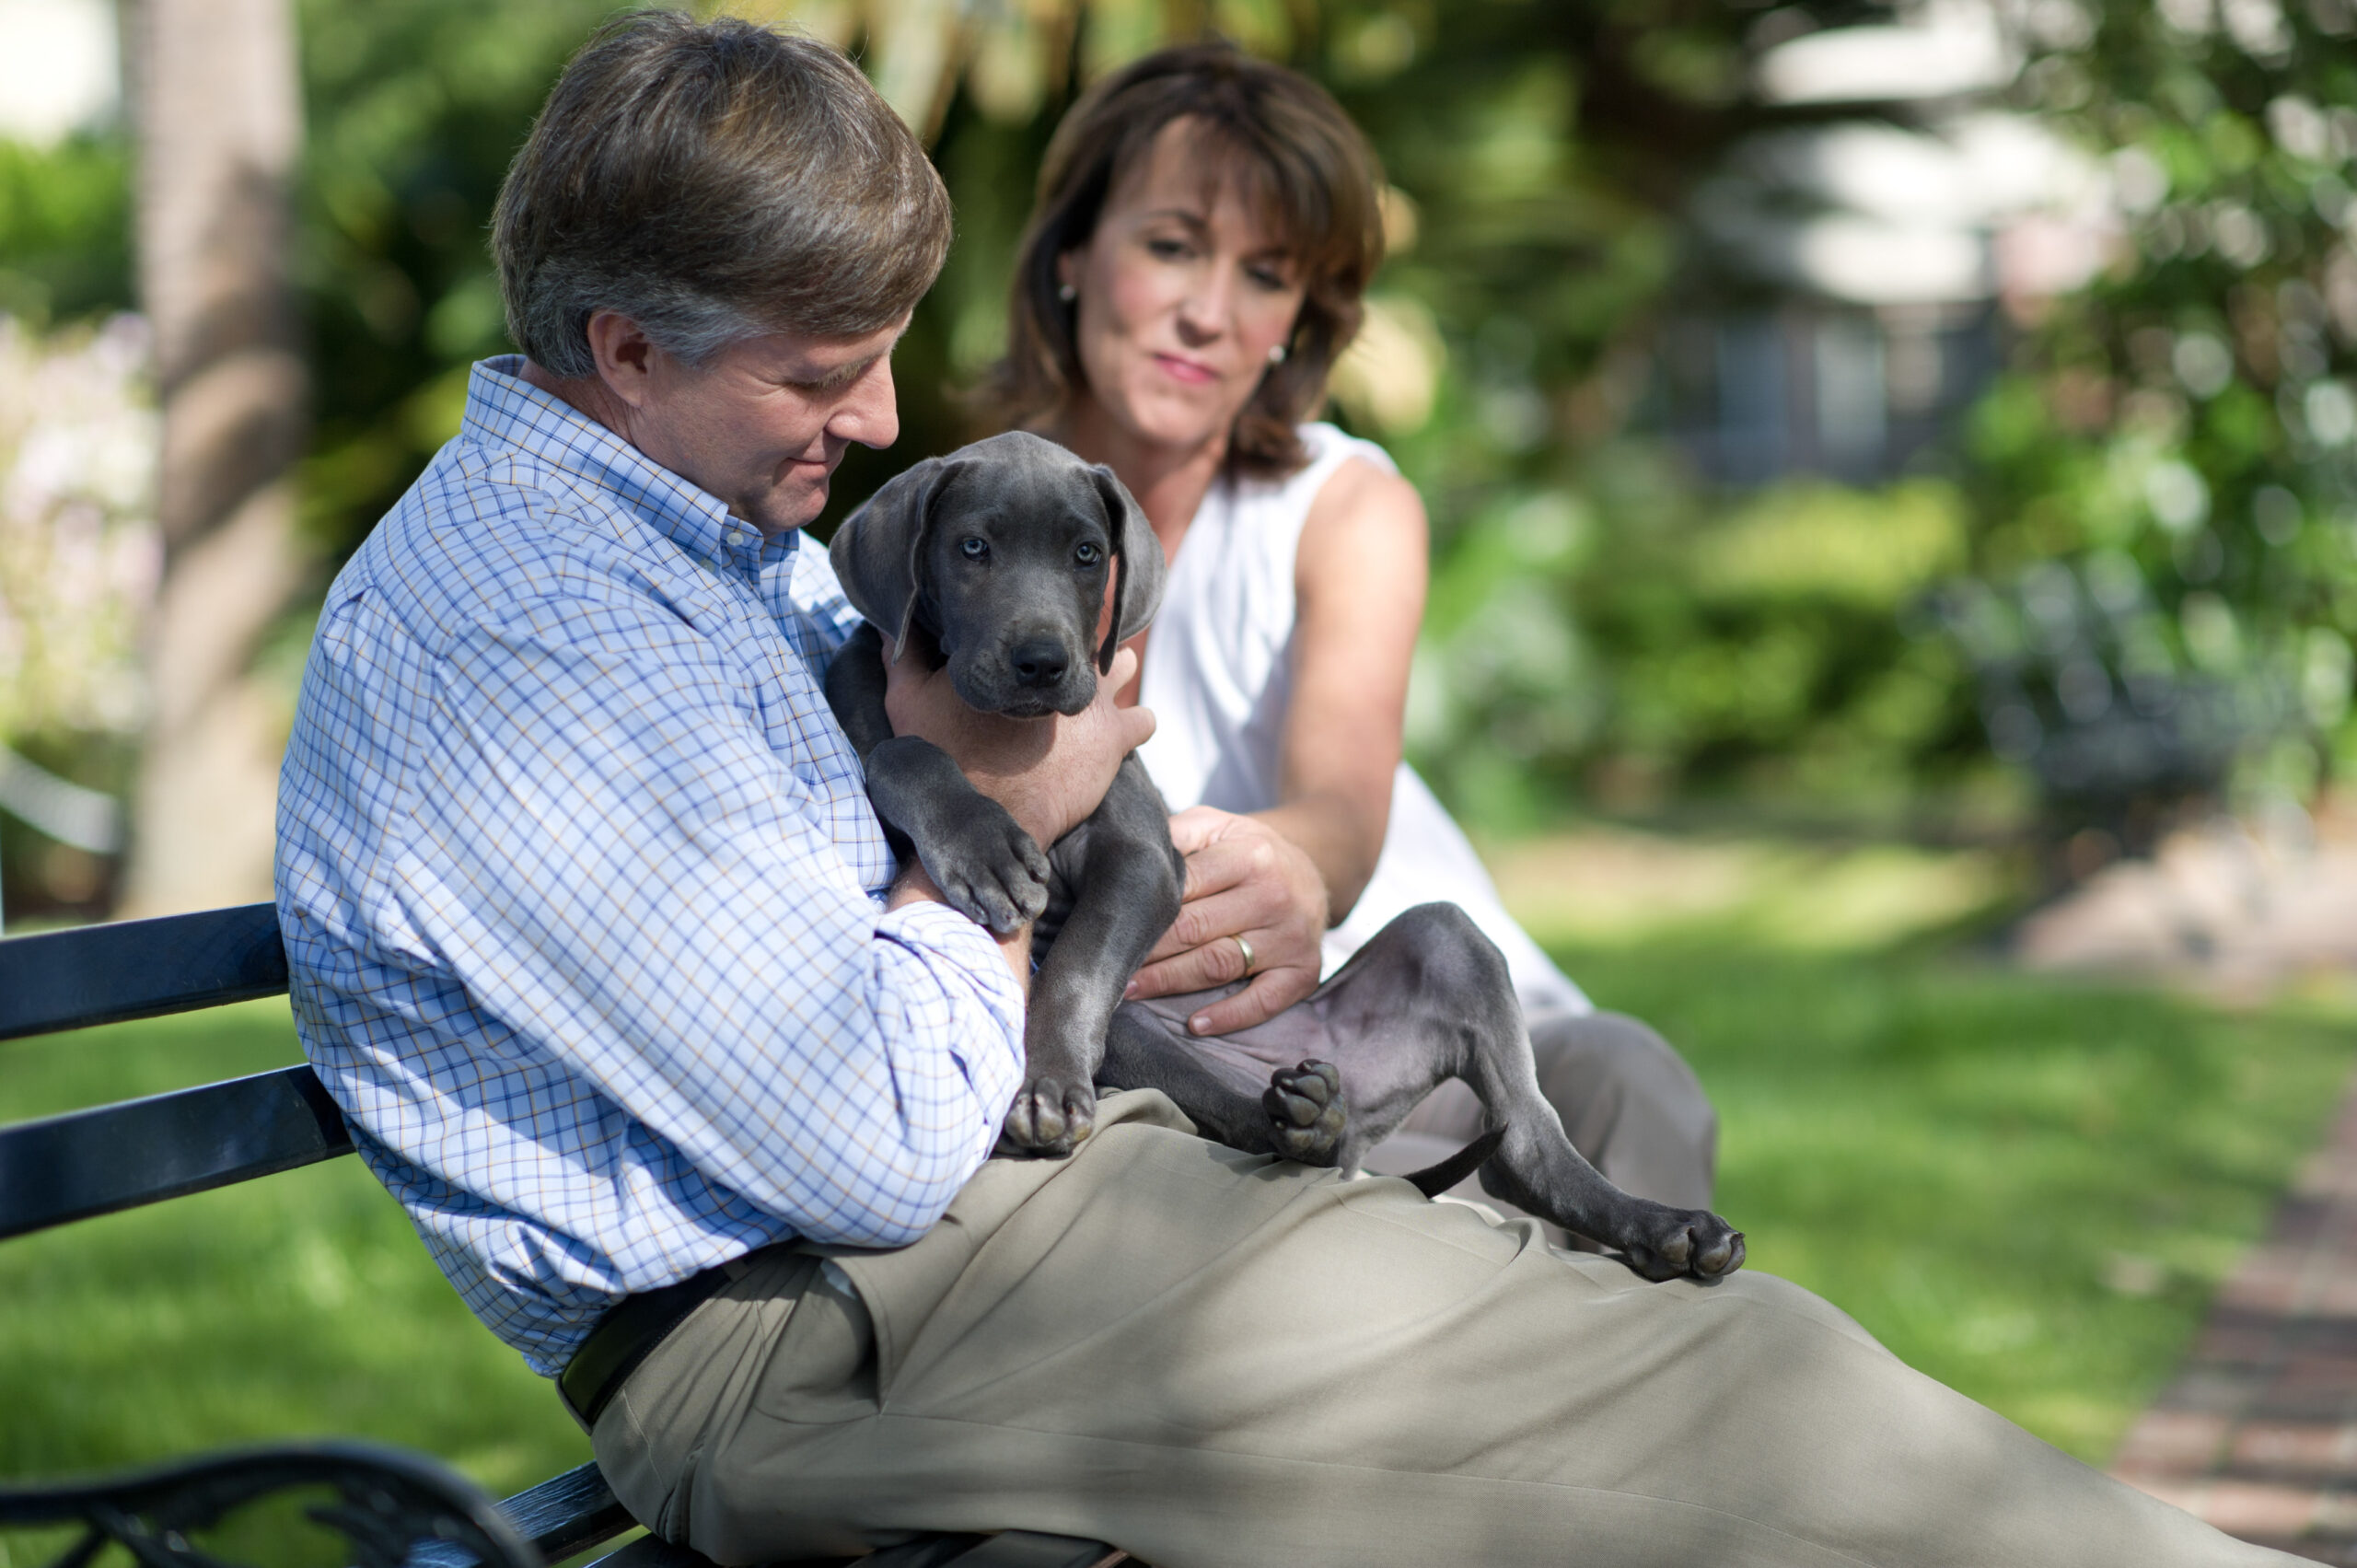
[625, 1336]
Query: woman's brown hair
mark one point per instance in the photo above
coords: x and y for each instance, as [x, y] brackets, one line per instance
[1310, 171]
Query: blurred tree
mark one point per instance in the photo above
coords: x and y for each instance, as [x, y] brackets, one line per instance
[219, 126]
[2165, 483]
[414, 107]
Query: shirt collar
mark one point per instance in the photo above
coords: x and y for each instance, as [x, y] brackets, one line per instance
[505, 409]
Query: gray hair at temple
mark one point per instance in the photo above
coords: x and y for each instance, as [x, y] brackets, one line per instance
[712, 181]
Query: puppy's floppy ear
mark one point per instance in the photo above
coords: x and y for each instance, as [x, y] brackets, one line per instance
[877, 552]
[1138, 566]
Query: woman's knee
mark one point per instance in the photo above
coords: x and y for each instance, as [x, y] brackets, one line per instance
[1629, 1102]
[1612, 1054]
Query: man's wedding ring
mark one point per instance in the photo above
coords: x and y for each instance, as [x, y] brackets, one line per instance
[1245, 948]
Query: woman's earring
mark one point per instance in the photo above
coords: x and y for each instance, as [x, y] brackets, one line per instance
[1067, 292]
[1277, 355]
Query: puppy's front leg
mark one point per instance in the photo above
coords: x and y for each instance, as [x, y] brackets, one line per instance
[1129, 878]
[855, 684]
[982, 861]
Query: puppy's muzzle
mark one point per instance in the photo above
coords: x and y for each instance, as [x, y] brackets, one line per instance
[1027, 677]
[1039, 664]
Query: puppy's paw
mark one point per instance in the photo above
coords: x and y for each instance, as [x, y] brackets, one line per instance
[1683, 1244]
[1049, 1118]
[987, 867]
[1307, 1113]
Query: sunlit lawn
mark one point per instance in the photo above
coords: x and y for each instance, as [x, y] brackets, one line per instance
[298, 1304]
[2025, 1187]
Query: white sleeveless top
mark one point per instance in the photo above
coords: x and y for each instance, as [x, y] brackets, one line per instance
[1219, 677]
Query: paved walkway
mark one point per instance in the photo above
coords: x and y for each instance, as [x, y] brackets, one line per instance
[2230, 908]
[2258, 1434]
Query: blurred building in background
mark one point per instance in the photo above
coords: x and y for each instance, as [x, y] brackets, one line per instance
[1854, 250]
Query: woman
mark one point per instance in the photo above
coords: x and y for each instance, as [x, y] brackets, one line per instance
[1204, 228]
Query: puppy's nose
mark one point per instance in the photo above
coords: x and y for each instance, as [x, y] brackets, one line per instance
[1039, 662]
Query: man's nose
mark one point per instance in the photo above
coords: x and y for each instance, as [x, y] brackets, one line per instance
[1040, 661]
[869, 414]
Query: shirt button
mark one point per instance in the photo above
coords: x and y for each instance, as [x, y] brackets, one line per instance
[738, 536]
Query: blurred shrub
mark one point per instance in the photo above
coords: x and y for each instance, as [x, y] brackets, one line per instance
[78, 559]
[1638, 639]
[78, 550]
[413, 109]
[2164, 484]
[64, 229]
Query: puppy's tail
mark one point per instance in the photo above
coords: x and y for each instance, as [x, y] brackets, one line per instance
[1433, 1180]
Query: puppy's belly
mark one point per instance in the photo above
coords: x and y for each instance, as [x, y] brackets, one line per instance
[1293, 1036]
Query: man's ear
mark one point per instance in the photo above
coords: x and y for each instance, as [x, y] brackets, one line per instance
[877, 552]
[625, 356]
[1138, 566]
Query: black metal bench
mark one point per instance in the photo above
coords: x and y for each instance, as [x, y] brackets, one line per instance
[391, 1508]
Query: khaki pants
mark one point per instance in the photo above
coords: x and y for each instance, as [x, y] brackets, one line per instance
[1216, 1359]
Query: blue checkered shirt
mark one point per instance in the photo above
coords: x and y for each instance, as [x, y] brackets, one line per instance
[582, 892]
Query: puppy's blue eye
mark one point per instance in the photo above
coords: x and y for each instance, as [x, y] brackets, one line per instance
[974, 549]
[1088, 555]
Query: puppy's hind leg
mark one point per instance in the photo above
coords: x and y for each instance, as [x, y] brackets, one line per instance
[1296, 1111]
[1535, 1167]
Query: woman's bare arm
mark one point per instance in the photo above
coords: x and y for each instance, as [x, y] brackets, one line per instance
[1280, 876]
[1359, 582]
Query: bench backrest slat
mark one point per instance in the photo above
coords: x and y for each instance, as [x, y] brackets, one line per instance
[562, 1516]
[568, 1513]
[108, 1158]
[143, 1151]
[137, 968]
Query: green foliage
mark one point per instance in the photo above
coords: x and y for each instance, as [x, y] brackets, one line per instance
[64, 229]
[413, 109]
[1641, 636]
[1540, 148]
[2187, 422]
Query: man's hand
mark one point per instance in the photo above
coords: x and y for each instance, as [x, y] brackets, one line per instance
[1049, 772]
[1243, 878]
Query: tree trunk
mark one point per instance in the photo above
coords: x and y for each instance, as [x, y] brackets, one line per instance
[220, 123]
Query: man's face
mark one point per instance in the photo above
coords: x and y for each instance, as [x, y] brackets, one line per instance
[762, 423]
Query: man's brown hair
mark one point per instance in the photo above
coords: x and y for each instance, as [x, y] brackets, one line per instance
[1302, 162]
[712, 181]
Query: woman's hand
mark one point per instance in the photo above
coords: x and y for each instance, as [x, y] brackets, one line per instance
[1243, 878]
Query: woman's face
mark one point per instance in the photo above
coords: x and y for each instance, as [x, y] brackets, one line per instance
[1183, 293]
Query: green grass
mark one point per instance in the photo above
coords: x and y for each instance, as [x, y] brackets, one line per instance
[1961, 1156]
[300, 1303]
[2026, 1188]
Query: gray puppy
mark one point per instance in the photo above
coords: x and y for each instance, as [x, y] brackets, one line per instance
[994, 561]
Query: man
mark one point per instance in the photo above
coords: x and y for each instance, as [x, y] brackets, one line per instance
[596, 941]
